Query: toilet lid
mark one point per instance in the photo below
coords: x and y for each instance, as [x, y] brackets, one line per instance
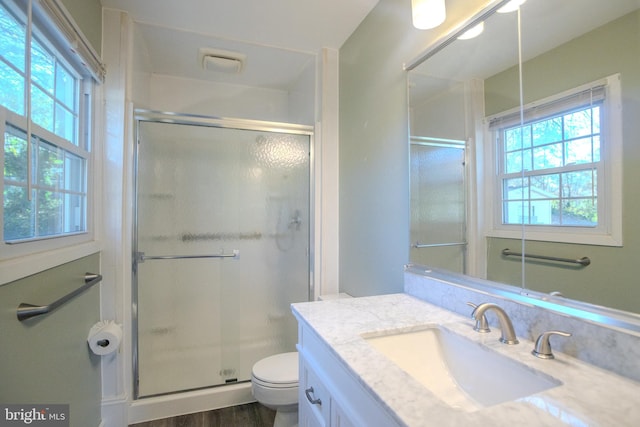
[278, 369]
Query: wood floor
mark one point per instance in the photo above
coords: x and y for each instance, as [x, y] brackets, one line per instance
[249, 415]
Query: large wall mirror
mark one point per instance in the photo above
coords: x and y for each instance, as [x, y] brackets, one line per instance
[525, 138]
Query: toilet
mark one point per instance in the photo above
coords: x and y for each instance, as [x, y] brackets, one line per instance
[274, 383]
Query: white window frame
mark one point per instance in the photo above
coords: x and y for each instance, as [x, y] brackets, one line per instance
[22, 258]
[609, 229]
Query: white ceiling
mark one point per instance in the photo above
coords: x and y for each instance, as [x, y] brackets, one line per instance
[279, 37]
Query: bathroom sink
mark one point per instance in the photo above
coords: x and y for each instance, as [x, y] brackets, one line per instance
[463, 374]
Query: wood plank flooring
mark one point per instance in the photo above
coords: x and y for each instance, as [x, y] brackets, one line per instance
[249, 415]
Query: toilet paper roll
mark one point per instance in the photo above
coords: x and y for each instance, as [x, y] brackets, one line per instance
[104, 337]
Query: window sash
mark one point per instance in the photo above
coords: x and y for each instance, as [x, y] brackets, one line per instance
[608, 171]
[68, 146]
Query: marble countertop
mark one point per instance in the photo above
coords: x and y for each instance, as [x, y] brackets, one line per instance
[588, 396]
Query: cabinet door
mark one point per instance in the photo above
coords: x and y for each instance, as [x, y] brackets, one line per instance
[314, 400]
[339, 417]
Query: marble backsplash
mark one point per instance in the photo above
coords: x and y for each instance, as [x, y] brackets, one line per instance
[609, 348]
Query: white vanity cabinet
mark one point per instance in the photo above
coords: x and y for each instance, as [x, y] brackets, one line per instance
[329, 394]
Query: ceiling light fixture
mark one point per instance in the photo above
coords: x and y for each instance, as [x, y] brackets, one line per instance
[427, 14]
[472, 32]
[512, 6]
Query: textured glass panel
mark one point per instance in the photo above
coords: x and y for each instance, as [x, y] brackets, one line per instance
[11, 89]
[205, 191]
[438, 205]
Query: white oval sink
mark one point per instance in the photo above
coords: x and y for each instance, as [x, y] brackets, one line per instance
[464, 374]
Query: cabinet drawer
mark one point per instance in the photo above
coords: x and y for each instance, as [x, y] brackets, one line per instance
[313, 394]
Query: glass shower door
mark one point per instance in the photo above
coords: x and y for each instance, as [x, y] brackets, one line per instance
[438, 204]
[221, 248]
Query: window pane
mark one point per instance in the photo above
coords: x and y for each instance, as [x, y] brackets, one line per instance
[49, 212]
[12, 39]
[18, 213]
[580, 212]
[514, 162]
[548, 156]
[15, 158]
[547, 131]
[74, 173]
[74, 213]
[41, 108]
[515, 159]
[516, 212]
[545, 186]
[11, 89]
[65, 87]
[581, 151]
[514, 189]
[65, 124]
[579, 184]
[42, 67]
[512, 139]
[579, 124]
[50, 166]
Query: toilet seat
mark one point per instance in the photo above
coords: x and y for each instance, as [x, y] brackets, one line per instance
[277, 371]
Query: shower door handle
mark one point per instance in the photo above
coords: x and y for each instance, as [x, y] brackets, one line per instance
[141, 257]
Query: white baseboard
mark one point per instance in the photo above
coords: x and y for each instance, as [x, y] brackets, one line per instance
[172, 405]
[115, 412]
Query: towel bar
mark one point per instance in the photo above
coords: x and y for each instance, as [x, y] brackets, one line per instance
[584, 261]
[26, 311]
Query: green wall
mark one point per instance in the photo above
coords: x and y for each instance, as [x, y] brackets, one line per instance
[611, 279]
[46, 359]
[88, 16]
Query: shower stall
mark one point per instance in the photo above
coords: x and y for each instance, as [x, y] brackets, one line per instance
[221, 247]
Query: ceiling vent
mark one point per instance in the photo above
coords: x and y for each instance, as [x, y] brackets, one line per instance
[221, 61]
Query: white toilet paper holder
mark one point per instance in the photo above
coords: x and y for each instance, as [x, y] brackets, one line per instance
[26, 311]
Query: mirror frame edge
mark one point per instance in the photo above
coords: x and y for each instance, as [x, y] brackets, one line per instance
[458, 29]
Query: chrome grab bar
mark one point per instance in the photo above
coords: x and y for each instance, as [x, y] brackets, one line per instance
[235, 254]
[419, 245]
[26, 311]
[584, 261]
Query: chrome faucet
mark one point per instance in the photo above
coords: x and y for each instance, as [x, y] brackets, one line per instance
[508, 334]
[543, 346]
